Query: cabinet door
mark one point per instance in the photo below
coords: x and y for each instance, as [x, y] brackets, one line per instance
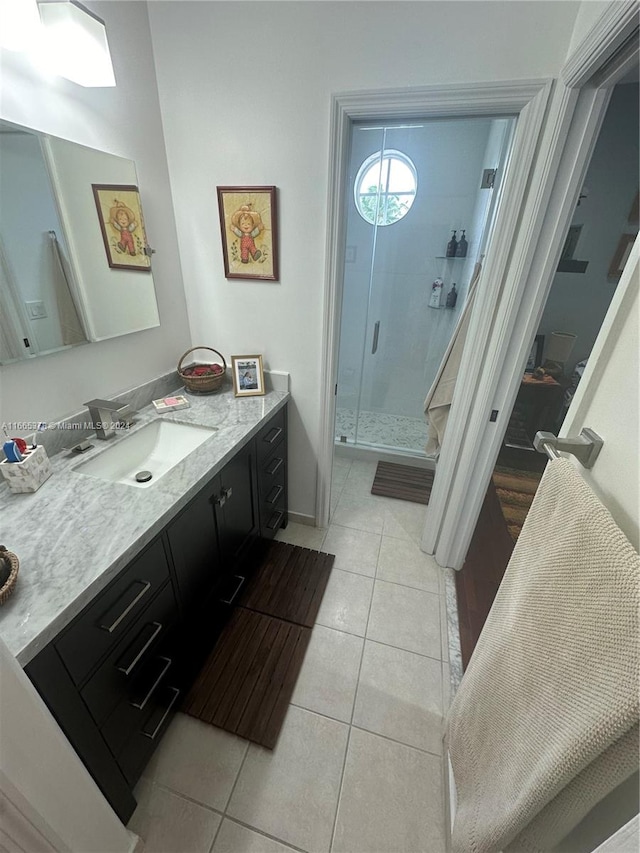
[236, 507]
[194, 548]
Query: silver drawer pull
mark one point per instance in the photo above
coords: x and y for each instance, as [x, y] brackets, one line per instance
[277, 432]
[275, 520]
[275, 465]
[236, 591]
[127, 666]
[154, 734]
[140, 703]
[112, 624]
[273, 498]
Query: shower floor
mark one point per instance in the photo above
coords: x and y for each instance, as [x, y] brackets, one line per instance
[394, 431]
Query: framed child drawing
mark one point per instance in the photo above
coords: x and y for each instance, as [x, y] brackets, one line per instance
[249, 227]
[122, 225]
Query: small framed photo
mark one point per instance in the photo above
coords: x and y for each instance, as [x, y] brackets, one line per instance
[248, 375]
[122, 225]
[249, 228]
[535, 356]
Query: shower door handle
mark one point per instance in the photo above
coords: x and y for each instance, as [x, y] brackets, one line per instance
[376, 332]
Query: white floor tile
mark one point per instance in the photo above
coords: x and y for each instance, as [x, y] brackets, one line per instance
[346, 602]
[443, 628]
[340, 471]
[446, 687]
[360, 512]
[400, 696]
[391, 799]
[360, 478]
[355, 550]
[329, 675]
[168, 823]
[406, 618]
[291, 793]
[234, 838]
[401, 561]
[404, 520]
[198, 760]
[303, 535]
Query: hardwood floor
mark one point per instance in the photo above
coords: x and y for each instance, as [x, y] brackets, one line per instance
[478, 581]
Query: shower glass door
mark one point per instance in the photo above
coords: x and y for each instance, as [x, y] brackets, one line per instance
[413, 186]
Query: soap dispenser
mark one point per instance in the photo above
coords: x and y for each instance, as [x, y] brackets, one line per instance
[452, 247]
[452, 297]
[461, 250]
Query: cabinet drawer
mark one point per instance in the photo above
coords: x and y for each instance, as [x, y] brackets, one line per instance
[118, 675]
[136, 708]
[137, 750]
[272, 471]
[101, 625]
[271, 435]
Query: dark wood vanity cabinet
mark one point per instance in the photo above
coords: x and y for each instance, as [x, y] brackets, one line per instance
[115, 674]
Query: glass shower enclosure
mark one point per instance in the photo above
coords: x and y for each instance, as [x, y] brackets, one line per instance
[420, 207]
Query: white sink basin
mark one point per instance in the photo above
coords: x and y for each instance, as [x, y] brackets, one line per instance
[154, 449]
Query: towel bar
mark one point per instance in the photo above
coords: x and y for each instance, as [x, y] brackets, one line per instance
[585, 447]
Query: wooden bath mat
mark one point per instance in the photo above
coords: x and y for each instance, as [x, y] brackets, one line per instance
[246, 684]
[289, 583]
[403, 482]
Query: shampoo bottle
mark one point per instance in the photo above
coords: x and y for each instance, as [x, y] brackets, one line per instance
[436, 291]
[461, 251]
[452, 297]
[452, 247]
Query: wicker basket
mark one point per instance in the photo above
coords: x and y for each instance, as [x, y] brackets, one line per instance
[14, 563]
[202, 384]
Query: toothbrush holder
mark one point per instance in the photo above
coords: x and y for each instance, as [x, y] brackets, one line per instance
[30, 474]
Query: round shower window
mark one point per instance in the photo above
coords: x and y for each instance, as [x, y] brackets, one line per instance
[385, 187]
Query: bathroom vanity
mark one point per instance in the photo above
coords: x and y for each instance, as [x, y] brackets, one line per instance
[113, 659]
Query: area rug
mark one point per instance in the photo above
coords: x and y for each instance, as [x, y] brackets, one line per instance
[515, 490]
[246, 684]
[403, 482]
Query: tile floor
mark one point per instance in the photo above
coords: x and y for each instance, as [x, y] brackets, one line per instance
[358, 765]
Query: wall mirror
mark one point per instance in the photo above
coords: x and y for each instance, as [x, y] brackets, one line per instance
[57, 287]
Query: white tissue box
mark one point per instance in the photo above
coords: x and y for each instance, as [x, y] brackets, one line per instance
[30, 474]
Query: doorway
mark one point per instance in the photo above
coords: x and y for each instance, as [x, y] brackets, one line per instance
[604, 223]
[419, 199]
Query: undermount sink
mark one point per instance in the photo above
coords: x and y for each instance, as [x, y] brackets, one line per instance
[152, 450]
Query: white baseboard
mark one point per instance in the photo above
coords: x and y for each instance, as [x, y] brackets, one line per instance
[372, 454]
[301, 518]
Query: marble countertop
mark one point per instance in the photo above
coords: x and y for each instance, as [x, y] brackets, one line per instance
[77, 532]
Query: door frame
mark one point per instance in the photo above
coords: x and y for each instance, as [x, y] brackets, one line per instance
[576, 113]
[527, 100]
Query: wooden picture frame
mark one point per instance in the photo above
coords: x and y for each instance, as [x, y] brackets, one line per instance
[248, 375]
[623, 250]
[249, 230]
[122, 225]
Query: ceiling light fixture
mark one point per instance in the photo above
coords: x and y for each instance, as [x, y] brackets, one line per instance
[75, 43]
[19, 22]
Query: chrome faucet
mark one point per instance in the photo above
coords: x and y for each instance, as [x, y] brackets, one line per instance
[106, 416]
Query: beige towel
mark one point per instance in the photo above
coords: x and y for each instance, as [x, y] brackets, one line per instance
[545, 722]
[440, 395]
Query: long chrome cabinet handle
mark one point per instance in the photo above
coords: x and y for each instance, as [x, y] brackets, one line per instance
[154, 734]
[127, 666]
[140, 703]
[376, 332]
[274, 494]
[277, 432]
[112, 624]
[236, 591]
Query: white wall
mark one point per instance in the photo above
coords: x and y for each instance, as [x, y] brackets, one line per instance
[245, 93]
[125, 121]
[578, 301]
[42, 775]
